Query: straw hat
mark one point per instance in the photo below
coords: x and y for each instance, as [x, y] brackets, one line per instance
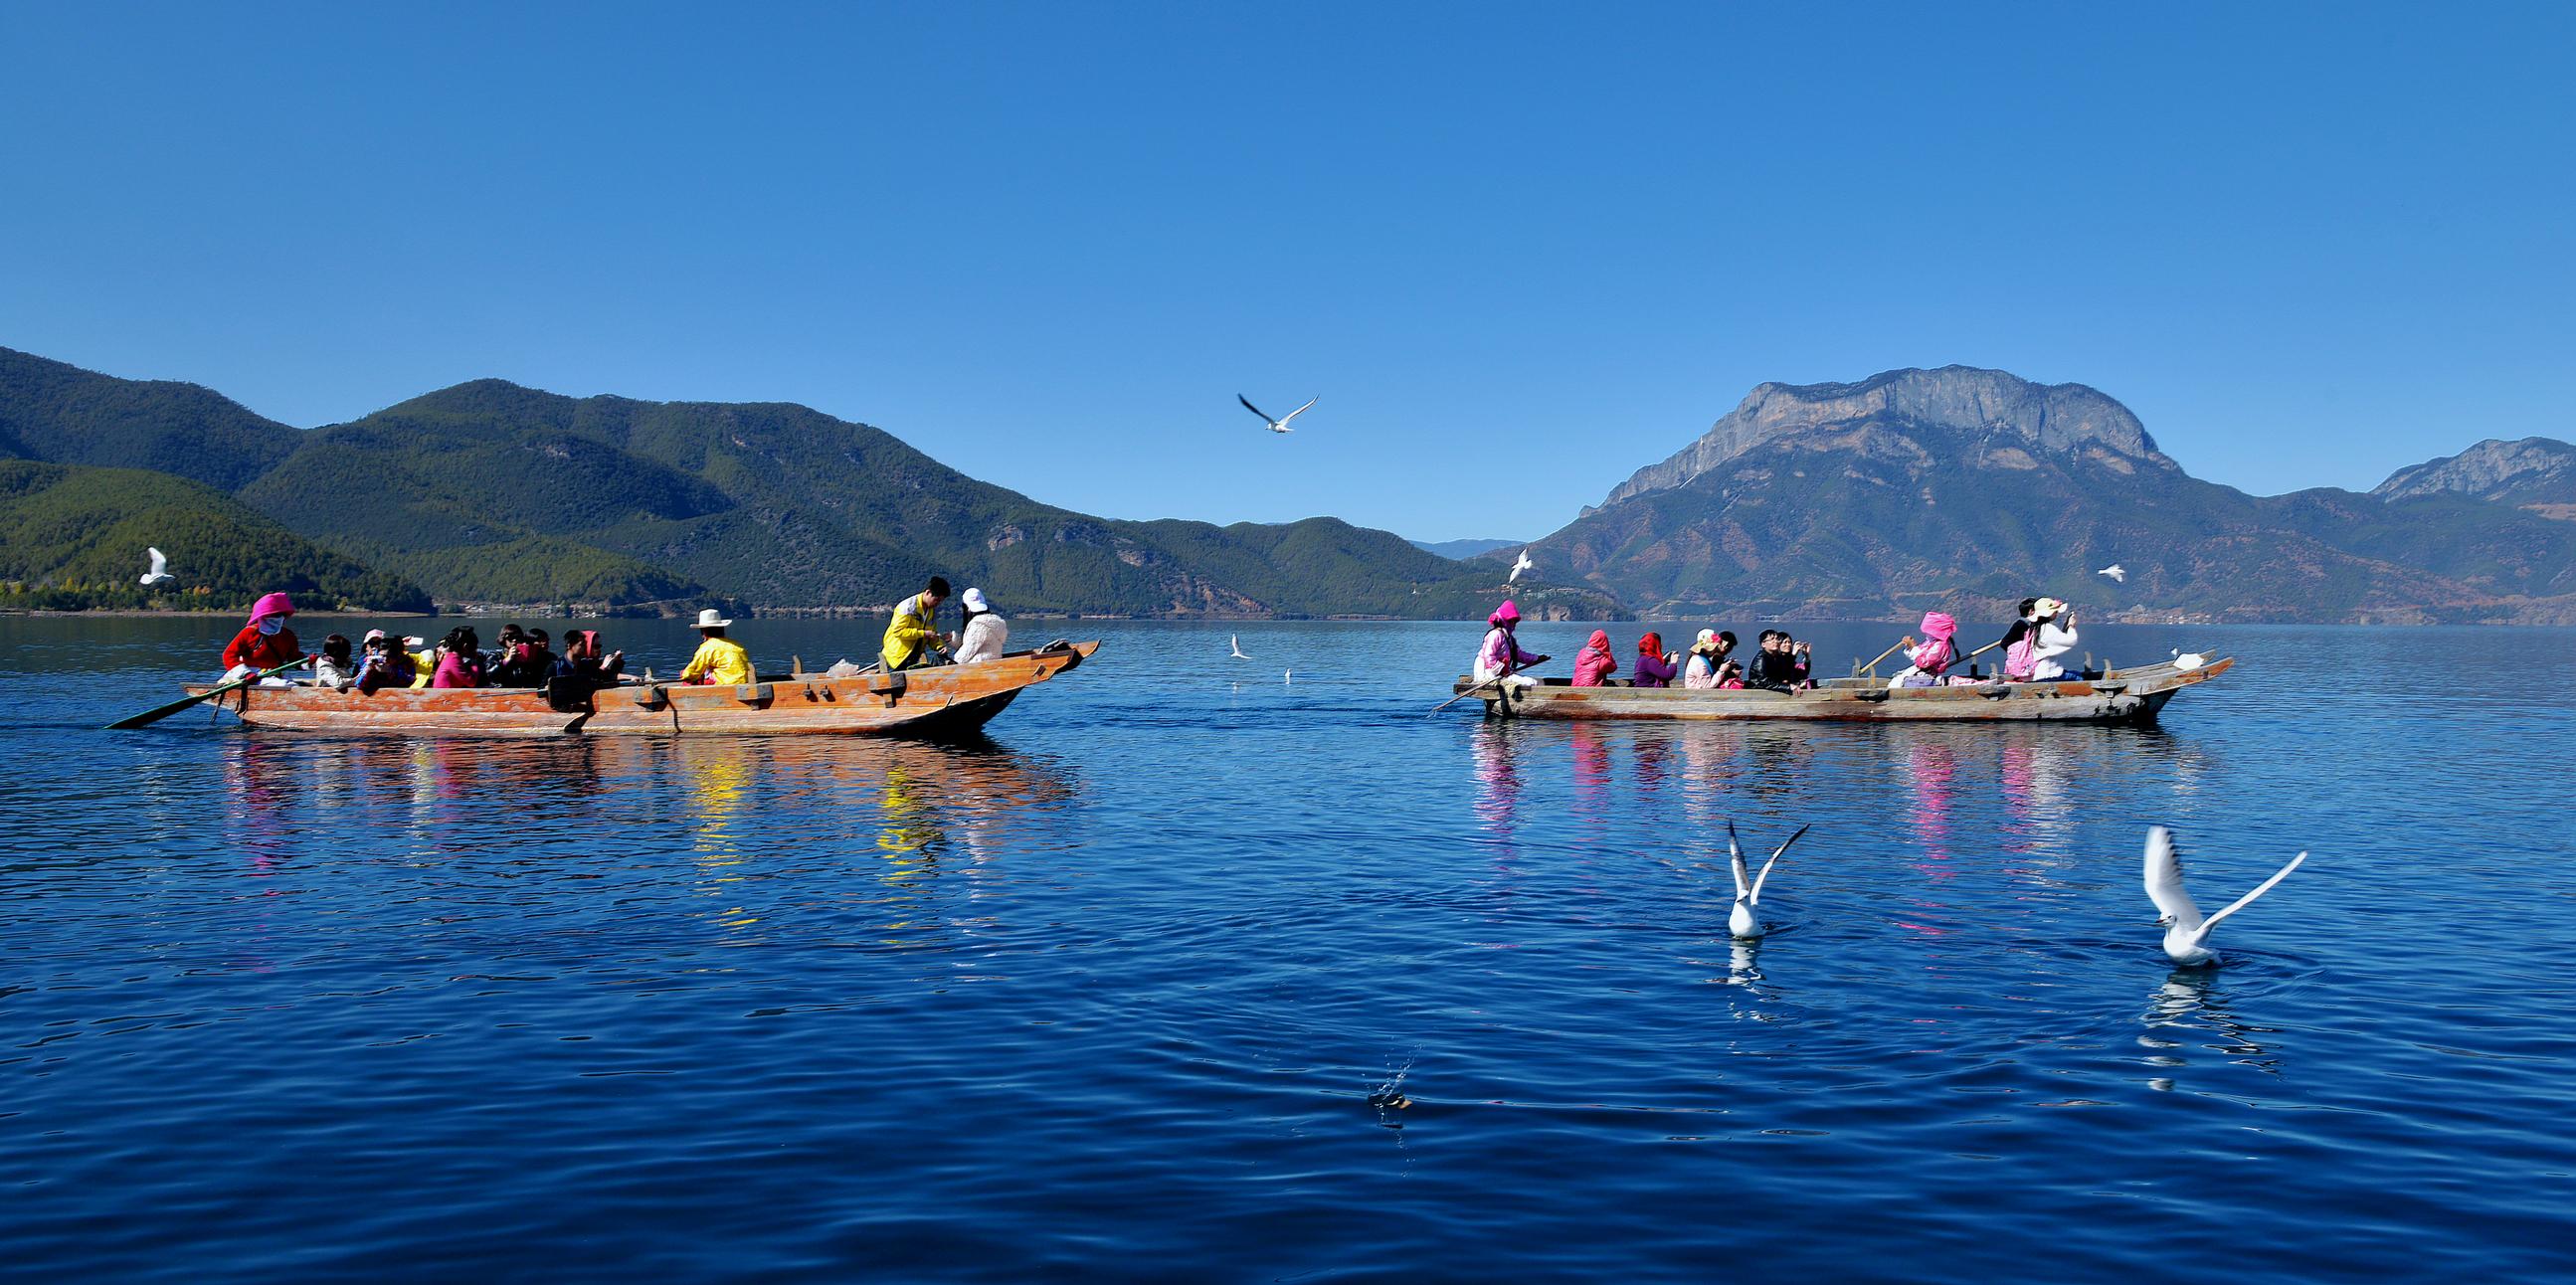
[710, 619]
[2046, 607]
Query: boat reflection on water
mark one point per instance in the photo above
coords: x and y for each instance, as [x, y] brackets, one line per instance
[736, 811]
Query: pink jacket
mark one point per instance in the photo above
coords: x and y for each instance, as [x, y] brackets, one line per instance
[1502, 652]
[1595, 662]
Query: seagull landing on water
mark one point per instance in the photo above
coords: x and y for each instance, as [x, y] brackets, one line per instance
[159, 575]
[2119, 574]
[1237, 644]
[1745, 920]
[1519, 565]
[1279, 425]
[2186, 933]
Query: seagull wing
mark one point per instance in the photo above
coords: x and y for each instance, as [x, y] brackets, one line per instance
[160, 563]
[2164, 880]
[1247, 405]
[1735, 857]
[1300, 410]
[2248, 899]
[1765, 876]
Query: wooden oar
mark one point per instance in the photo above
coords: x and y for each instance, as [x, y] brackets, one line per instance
[1858, 670]
[1487, 683]
[156, 715]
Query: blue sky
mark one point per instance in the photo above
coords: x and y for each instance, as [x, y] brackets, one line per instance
[1518, 251]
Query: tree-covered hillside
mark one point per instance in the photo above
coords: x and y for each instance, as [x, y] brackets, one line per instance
[73, 537]
[66, 415]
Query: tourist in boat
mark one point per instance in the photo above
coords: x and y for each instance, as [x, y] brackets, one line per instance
[2033, 659]
[720, 662]
[424, 660]
[1654, 667]
[1929, 660]
[384, 663]
[1780, 665]
[460, 660]
[984, 634]
[264, 643]
[1730, 676]
[334, 667]
[912, 638]
[581, 669]
[1500, 656]
[1708, 654]
[526, 662]
[498, 662]
[2020, 627]
[1594, 665]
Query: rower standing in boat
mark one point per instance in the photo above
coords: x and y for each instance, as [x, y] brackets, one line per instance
[264, 643]
[1500, 657]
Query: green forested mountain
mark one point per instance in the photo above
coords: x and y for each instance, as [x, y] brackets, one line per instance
[493, 493]
[66, 415]
[73, 536]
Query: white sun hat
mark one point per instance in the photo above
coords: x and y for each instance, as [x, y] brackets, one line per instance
[975, 600]
[710, 619]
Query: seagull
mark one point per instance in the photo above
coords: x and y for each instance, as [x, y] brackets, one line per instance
[2187, 661]
[1520, 565]
[1279, 425]
[2119, 574]
[1287, 675]
[1741, 921]
[2185, 930]
[1236, 643]
[159, 575]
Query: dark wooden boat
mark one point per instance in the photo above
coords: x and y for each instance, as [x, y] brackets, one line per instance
[2118, 696]
[936, 701]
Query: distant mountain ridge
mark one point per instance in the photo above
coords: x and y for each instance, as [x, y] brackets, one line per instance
[1973, 488]
[2538, 473]
[1461, 550]
[488, 492]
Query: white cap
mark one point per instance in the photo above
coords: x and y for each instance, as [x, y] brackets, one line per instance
[711, 619]
[974, 600]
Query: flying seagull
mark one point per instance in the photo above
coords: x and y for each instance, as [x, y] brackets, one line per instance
[1519, 565]
[2185, 930]
[1237, 644]
[1743, 921]
[1279, 425]
[159, 575]
[2119, 574]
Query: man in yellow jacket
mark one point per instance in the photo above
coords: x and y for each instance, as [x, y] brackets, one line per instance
[911, 640]
[720, 662]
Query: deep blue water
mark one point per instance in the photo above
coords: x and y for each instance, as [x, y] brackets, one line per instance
[1132, 990]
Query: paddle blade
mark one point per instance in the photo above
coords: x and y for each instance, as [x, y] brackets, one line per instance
[151, 716]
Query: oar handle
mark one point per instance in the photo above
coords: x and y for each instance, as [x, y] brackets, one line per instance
[1873, 661]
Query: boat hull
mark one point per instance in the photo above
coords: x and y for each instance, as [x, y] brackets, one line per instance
[944, 700]
[2121, 696]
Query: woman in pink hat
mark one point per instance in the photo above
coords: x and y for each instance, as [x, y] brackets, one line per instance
[1928, 661]
[266, 642]
[1501, 655]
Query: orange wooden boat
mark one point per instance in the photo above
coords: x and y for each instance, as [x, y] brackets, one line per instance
[942, 700]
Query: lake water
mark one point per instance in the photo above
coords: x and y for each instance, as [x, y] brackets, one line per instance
[1192, 972]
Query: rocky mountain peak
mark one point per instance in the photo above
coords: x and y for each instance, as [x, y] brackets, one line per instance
[2057, 418]
[2534, 469]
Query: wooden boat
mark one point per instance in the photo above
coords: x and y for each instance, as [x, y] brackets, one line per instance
[941, 700]
[2118, 696]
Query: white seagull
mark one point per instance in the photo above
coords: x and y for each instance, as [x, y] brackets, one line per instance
[2187, 661]
[1743, 921]
[159, 575]
[1520, 565]
[2185, 930]
[2119, 574]
[1279, 425]
[1237, 644]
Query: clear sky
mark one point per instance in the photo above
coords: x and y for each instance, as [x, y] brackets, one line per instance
[1517, 250]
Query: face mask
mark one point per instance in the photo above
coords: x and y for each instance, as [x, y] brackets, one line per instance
[271, 624]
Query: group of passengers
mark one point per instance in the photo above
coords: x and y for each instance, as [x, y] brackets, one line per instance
[2044, 630]
[527, 659]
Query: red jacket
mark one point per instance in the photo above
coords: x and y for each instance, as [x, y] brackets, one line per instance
[262, 651]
